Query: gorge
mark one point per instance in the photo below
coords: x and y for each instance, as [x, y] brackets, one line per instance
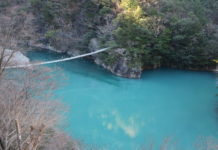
[155, 88]
[109, 112]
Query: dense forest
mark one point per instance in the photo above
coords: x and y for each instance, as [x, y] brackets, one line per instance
[154, 33]
[144, 34]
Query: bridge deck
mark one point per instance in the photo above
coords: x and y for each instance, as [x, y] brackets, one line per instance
[59, 60]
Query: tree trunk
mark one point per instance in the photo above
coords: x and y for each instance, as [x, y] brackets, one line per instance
[18, 134]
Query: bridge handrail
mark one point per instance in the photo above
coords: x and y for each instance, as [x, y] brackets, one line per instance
[58, 60]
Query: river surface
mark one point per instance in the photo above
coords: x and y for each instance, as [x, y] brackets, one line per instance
[112, 113]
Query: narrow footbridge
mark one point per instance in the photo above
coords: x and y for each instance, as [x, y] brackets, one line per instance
[58, 60]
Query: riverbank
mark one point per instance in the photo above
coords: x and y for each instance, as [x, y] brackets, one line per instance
[121, 67]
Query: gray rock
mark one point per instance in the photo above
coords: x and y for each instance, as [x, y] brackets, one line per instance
[94, 45]
[120, 51]
[121, 66]
[14, 57]
[123, 69]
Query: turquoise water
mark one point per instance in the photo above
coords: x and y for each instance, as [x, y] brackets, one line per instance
[124, 114]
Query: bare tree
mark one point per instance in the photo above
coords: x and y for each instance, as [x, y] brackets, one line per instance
[6, 42]
[62, 142]
[25, 113]
[27, 109]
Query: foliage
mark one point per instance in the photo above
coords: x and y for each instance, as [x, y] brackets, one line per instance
[4, 4]
[109, 59]
[134, 31]
[53, 13]
[50, 34]
[46, 8]
[171, 32]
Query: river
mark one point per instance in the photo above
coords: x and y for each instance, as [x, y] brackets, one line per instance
[114, 113]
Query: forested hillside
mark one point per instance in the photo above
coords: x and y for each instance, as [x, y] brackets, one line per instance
[108, 111]
[144, 34]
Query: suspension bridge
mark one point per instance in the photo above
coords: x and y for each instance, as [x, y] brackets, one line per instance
[58, 60]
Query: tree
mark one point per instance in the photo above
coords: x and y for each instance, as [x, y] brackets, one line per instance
[28, 113]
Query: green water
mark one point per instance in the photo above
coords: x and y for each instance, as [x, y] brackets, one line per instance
[124, 114]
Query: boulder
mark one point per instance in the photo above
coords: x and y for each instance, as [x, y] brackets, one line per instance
[14, 57]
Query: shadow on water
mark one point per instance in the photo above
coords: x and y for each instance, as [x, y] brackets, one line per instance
[92, 72]
[89, 69]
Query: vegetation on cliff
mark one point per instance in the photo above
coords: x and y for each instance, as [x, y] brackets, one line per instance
[154, 33]
[174, 33]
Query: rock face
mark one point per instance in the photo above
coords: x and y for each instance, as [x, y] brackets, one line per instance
[121, 68]
[119, 65]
